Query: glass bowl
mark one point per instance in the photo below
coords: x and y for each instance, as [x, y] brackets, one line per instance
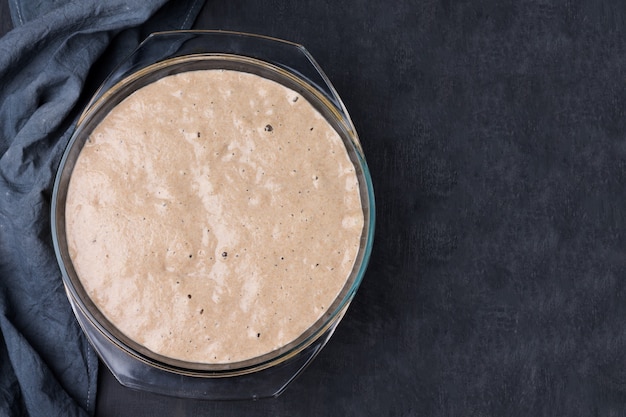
[167, 53]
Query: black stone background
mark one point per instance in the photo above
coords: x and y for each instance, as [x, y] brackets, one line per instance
[495, 132]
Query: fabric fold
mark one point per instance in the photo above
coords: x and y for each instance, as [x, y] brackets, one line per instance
[50, 63]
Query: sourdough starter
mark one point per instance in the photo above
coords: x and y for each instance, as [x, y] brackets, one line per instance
[213, 216]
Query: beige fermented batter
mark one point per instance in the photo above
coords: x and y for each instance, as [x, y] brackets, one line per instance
[213, 216]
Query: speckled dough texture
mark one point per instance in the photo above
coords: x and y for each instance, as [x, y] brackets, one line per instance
[213, 216]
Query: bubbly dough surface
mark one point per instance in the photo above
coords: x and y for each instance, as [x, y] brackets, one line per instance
[213, 216]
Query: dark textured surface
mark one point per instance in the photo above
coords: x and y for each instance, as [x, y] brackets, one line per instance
[5, 17]
[496, 136]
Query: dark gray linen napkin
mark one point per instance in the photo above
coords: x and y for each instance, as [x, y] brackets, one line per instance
[50, 63]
